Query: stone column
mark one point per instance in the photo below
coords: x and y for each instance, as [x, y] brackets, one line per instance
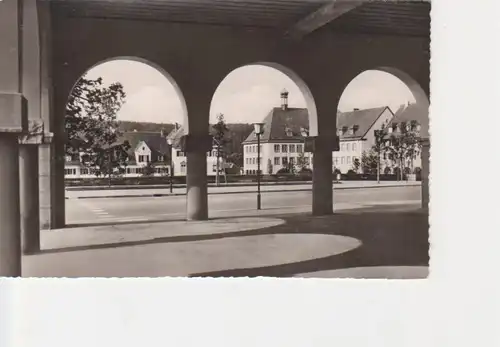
[29, 186]
[322, 199]
[13, 119]
[425, 172]
[51, 151]
[196, 148]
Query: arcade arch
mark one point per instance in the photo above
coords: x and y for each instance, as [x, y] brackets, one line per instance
[262, 92]
[151, 95]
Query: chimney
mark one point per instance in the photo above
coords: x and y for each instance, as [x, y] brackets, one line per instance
[356, 109]
[284, 100]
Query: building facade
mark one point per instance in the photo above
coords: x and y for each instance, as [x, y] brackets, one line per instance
[409, 117]
[282, 142]
[356, 132]
[146, 148]
[285, 131]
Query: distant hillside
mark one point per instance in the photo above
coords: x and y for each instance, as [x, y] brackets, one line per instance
[145, 126]
[238, 132]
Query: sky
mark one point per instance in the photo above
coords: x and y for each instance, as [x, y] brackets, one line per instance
[245, 96]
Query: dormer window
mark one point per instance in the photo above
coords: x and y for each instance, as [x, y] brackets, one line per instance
[344, 130]
[394, 127]
[351, 131]
[304, 132]
[288, 132]
[339, 132]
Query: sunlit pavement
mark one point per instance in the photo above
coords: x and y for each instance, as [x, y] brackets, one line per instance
[143, 209]
[380, 237]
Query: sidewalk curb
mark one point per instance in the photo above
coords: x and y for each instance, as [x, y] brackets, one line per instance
[166, 186]
[235, 192]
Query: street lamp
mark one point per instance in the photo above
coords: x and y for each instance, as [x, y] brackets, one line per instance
[170, 142]
[259, 130]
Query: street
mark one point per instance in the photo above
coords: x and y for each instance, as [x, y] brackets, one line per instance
[128, 209]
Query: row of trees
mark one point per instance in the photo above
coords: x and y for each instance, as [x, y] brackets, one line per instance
[93, 132]
[399, 147]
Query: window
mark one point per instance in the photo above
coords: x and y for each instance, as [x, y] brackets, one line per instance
[354, 147]
[214, 168]
[284, 161]
[300, 148]
[161, 158]
[292, 148]
[336, 160]
[127, 170]
[292, 160]
[306, 160]
[253, 160]
[348, 160]
[342, 147]
[183, 166]
[342, 160]
[276, 148]
[284, 148]
[277, 160]
[347, 146]
[178, 153]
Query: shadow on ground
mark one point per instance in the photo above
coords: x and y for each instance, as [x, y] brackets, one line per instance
[389, 238]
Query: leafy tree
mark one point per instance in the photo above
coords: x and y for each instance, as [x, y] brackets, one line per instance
[149, 169]
[235, 158]
[403, 146]
[91, 127]
[379, 146]
[356, 165]
[369, 162]
[269, 167]
[301, 162]
[219, 131]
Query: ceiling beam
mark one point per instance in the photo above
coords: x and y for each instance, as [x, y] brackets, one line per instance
[321, 17]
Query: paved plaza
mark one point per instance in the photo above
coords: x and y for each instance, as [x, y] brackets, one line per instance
[372, 240]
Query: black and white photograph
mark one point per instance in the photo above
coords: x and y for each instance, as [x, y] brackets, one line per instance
[215, 138]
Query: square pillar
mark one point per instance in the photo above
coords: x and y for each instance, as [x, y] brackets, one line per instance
[13, 119]
[29, 186]
[322, 147]
[426, 145]
[196, 148]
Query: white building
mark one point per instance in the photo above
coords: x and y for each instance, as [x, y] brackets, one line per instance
[179, 158]
[145, 147]
[356, 132]
[408, 116]
[282, 143]
[285, 130]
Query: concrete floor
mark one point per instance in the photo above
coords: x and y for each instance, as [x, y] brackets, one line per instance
[286, 245]
[135, 209]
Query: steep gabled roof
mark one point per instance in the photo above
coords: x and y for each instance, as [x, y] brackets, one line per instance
[364, 119]
[411, 112]
[155, 141]
[295, 120]
[279, 121]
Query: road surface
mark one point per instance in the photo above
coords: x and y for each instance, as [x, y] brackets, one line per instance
[115, 210]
